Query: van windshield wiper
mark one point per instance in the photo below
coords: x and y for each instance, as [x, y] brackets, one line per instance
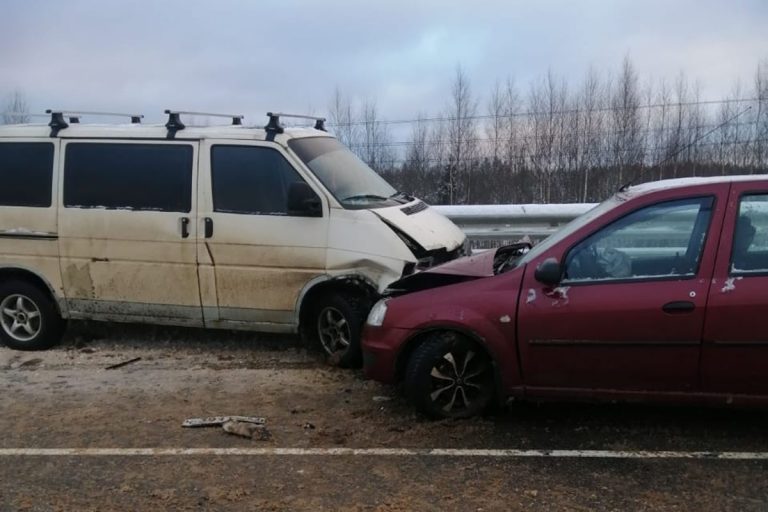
[401, 195]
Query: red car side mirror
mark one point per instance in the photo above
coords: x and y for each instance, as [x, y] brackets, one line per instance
[549, 272]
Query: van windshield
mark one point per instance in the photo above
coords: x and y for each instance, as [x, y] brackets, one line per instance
[349, 179]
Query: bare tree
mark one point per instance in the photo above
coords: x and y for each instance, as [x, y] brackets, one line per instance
[456, 185]
[342, 119]
[16, 109]
[590, 137]
[374, 140]
[625, 136]
[760, 146]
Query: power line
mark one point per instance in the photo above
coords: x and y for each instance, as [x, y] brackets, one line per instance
[543, 112]
[523, 138]
[565, 156]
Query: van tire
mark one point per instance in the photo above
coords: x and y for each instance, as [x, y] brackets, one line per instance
[449, 376]
[336, 326]
[29, 319]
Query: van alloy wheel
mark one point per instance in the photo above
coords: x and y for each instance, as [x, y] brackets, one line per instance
[20, 317]
[333, 329]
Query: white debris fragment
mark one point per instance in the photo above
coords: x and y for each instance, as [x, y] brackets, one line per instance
[560, 295]
[505, 319]
[730, 284]
[531, 296]
[215, 421]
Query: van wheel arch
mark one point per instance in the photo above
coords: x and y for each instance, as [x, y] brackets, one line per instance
[352, 295]
[20, 274]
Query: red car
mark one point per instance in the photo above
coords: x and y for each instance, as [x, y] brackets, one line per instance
[659, 294]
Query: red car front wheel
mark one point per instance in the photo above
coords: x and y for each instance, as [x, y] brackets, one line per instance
[449, 376]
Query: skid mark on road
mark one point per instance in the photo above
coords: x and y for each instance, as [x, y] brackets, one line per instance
[380, 452]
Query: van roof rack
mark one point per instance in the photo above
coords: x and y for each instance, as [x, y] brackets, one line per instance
[274, 125]
[58, 122]
[174, 123]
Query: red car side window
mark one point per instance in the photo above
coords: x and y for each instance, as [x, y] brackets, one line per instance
[654, 242]
[750, 242]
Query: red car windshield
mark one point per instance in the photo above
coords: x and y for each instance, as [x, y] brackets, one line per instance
[565, 231]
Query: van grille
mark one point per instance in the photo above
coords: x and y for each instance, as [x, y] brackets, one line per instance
[415, 208]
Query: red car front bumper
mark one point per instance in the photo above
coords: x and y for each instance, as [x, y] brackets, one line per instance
[381, 346]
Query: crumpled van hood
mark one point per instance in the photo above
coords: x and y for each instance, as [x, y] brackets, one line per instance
[428, 228]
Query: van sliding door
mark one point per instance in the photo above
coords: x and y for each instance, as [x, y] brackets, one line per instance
[127, 231]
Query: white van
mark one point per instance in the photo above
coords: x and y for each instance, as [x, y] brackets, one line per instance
[269, 229]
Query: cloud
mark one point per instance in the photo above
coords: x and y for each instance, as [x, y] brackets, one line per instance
[290, 55]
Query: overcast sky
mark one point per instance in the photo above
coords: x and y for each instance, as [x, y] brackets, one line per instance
[289, 55]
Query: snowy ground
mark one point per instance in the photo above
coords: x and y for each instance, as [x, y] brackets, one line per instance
[65, 399]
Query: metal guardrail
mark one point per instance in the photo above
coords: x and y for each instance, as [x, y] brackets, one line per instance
[494, 225]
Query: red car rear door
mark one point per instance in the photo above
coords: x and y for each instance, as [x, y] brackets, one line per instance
[629, 314]
[735, 348]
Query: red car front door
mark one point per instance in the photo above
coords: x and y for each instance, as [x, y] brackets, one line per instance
[629, 313]
[735, 349]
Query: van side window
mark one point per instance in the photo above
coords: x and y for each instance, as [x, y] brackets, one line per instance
[749, 254]
[154, 177]
[251, 180]
[26, 174]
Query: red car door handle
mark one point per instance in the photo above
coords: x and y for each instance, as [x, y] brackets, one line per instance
[679, 306]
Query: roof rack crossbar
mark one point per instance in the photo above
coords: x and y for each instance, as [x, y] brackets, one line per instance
[237, 119]
[274, 125]
[75, 115]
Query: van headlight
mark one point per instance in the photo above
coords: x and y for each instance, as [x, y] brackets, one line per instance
[377, 314]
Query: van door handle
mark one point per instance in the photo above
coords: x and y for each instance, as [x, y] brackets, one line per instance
[208, 227]
[185, 227]
[679, 306]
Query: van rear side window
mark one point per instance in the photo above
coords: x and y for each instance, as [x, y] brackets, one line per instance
[26, 174]
[154, 177]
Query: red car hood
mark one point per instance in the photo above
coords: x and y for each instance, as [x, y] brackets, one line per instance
[477, 265]
[485, 264]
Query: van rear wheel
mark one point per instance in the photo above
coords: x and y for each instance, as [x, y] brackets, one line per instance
[337, 324]
[28, 317]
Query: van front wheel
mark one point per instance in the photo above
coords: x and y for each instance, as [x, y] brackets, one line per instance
[28, 317]
[337, 324]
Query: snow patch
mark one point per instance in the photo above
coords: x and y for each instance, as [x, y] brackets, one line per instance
[23, 231]
[531, 296]
[505, 319]
[562, 291]
[730, 284]
[560, 296]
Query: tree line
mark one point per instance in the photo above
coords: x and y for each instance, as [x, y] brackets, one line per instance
[553, 142]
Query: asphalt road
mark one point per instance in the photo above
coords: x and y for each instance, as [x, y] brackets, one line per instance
[606, 457]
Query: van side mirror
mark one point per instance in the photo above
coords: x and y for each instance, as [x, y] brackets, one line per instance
[302, 201]
[549, 272]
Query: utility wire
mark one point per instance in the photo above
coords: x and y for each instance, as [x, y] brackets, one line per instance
[522, 138]
[542, 113]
